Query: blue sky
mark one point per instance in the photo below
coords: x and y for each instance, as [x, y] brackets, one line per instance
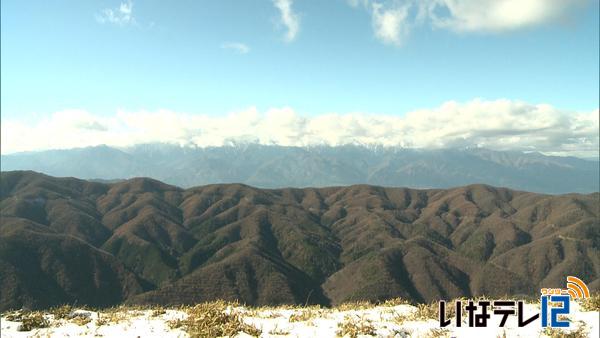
[57, 55]
[503, 74]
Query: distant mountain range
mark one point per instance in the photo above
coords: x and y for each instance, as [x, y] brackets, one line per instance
[278, 166]
[140, 241]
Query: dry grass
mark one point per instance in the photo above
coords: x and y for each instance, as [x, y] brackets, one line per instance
[29, 319]
[426, 311]
[102, 321]
[61, 312]
[358, 305]
[267, 314]
[17, 316]
[81, 320]
[439, 332]
[395, 302]
[118, 314]
[303, 316]
[33, 320]
[422, 312]
[158, 312]
[222, 318]
[581, 332]
[272, 311]
[353, 327]
[278, 332]
[591, 304]
[214, 319]
[113, 316]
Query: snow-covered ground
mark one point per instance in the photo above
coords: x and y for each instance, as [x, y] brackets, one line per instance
[390, 320]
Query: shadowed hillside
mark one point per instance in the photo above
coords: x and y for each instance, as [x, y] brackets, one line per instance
[64, 240]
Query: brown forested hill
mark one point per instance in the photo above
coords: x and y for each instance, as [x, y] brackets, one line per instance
[64, 240]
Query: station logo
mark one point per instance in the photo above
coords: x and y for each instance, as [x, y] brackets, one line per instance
[555, 305]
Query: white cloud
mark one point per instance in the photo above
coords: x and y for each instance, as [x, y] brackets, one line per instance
[390, 24]
[237, 47]
[499, 125]
[288, 18]
[393, 19]
[498, 15]
[122, 15]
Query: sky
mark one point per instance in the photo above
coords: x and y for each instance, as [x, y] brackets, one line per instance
[504, 74]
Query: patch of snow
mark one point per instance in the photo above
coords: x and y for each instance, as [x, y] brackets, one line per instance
[279, 322]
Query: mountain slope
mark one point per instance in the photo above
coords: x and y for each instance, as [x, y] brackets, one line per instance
[143, 241]
[278, 166]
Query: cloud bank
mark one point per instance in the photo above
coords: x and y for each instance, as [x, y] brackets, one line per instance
[393, 19]
[499, 125]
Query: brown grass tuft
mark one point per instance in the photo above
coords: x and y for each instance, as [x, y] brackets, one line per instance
[353, 327]
[357, 305]
[591, 304]
[214, 319]
[34, 320]
[395, 302]
[61, 312]
[303, 316]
